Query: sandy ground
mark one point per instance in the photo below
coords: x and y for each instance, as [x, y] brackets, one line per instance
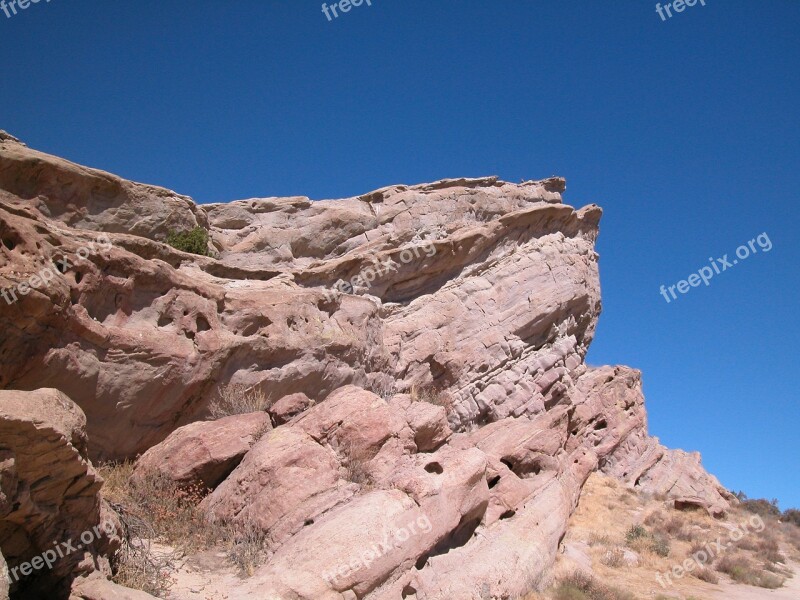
[205, 576]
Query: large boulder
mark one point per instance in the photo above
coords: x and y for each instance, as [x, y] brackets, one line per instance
[53, 524]
[204, 453]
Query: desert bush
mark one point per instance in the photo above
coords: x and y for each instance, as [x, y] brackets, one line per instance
[743, 571]
[247, 547]
[759, 506]
[432, 395]
[235, 399]
[791, 515]
[194, 241]
[581, 586]
[636, 532]
[792, 535]
[356, 464]
[654, 518]
[600, 539]
[152, 509]
[660, 546]
[613, 557]
[707, 575]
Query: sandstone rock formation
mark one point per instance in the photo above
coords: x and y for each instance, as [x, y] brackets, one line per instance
[422, 348]
[49, 495]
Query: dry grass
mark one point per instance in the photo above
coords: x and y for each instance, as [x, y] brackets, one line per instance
[614, 558]
[158, 513]
[707, 575]
[580, 586]
[235, 399]
[432, 395]
[356, 465]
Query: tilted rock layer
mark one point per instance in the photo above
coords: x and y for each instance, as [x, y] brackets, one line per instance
[423, 348]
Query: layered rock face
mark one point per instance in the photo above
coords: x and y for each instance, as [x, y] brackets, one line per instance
[423, 348]
[53, 524]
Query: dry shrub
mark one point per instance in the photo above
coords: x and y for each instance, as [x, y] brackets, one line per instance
[581, 586]
[235, 399]
[154, 509]
[356, 464]
[743, 571]
[707, 575]
[654, 518]
[600, 539]
[639, 539]
[247, 547]
[614, 558]
[430, 394]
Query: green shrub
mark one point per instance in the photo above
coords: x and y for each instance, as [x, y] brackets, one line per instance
[660, 546]
[636, 532]
[194, 241]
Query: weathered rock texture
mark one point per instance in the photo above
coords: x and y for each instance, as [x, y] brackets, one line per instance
[49, 494]
[435, 412]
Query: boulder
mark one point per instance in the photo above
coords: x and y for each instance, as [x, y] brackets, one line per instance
[204, 453]
[49, 495]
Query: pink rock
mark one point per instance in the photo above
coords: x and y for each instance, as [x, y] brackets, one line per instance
[204, 453]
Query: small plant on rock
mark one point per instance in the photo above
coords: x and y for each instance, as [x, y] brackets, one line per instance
[194, 241]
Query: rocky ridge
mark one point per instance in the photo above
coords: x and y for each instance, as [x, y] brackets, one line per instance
[422, 348]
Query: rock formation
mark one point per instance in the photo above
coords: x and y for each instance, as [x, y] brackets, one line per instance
[422, 349]
[53, 525]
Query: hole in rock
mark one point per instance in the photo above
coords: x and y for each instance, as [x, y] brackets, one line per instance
[434, 467]
[189, 334]
[60, 267]
[507, 515]
[308, 522]
[202, 324]
[421, 562]
[185, 312]
[507, 462]
[601, 424]
[493, 481]
[164, 320]
[78, 276]
[9, 243]
[463, 532]
[408, 591]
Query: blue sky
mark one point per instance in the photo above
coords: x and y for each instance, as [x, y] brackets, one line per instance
[686, 131]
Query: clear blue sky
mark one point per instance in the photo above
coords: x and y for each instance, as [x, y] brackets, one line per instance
[686, 132]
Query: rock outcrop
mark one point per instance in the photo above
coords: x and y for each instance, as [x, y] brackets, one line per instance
[53, 525]
[421, 349]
